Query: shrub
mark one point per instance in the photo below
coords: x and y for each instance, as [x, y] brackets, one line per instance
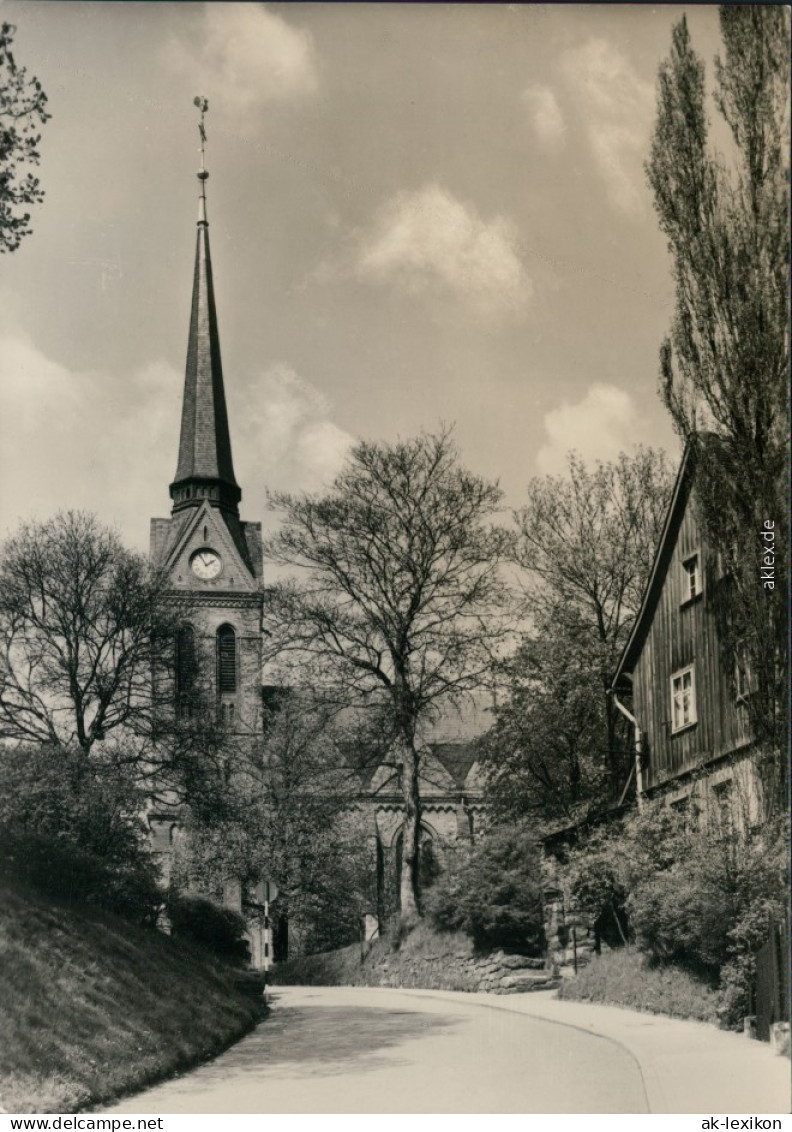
[493, 893]
[764, 892]
[220, 930]
[628, 978]
[69, 874]
[671, 889]
[710, 912]
[692, 895]
[682, 914]
[619, 857]
[70, 828]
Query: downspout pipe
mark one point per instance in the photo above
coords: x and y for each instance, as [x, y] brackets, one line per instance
[639, 788]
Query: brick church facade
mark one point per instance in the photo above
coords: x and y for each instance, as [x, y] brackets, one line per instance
[213, 561]
[212, 558]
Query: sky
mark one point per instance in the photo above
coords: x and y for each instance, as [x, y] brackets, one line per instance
[419, 214]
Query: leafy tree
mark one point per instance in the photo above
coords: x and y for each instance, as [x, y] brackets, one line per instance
[73, 830]
[87, 702]
[402, 597]
[48, 791]
[493, 893]
[587, 542]
[286, 815]
[547, 753]
[84, 627]
[22, 112]
[724, 368]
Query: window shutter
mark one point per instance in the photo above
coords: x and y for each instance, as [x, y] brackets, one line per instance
[185, 670]
[226, 660]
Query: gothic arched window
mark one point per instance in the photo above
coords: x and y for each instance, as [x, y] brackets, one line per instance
[185, 671]
[226, 660]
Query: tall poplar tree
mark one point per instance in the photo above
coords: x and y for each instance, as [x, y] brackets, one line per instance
[725, 364]
[586, 541]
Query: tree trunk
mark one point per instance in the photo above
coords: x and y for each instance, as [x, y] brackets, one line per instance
[411, 836]
[381, 890]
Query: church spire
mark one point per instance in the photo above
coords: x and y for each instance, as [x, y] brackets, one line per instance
[205, 469]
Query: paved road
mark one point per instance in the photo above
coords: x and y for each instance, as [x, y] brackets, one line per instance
[352, 1050]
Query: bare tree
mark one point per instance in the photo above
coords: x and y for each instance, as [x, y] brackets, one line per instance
[725, 366]
[86, 632]
[22, 112]
[402, 599]
[587, 542]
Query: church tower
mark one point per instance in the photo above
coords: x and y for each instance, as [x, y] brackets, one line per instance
[211, 556]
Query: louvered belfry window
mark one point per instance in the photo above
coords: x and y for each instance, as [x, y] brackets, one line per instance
[185, 670]
[226, 660]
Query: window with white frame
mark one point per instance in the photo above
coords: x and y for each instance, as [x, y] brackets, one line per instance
[683, 698]
[692, 580]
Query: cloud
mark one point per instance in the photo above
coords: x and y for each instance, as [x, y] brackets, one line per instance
[546, 117]
[283, 437]
[617, 107]
[108, 443]
[246, 55]
[428, 242]
[85, 441]
[598, 427]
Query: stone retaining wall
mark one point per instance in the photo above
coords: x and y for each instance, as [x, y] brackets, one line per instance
[569, 934]
[497, 972]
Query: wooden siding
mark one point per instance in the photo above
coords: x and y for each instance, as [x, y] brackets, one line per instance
[684, 633]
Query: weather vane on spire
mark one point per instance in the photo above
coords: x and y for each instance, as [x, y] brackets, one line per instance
[203, 105]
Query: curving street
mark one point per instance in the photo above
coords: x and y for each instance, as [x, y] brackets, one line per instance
[355, 1050]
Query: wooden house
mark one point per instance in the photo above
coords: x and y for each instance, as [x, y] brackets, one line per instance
[687, 695]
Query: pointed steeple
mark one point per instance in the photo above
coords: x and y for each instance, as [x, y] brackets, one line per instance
[205, 469]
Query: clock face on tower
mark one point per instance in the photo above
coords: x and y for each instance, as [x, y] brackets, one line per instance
[206, 564]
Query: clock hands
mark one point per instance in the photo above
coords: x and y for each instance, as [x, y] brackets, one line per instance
[206, 563]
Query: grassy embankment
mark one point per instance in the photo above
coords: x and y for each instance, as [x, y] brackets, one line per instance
[92, 1007]
[625, 977]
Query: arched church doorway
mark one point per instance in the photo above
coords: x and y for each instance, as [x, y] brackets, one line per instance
[389, 865]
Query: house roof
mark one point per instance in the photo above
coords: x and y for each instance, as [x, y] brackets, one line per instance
[563, 835]
[462, 723]
[453, 739]
[457, 758]
[662, 560]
